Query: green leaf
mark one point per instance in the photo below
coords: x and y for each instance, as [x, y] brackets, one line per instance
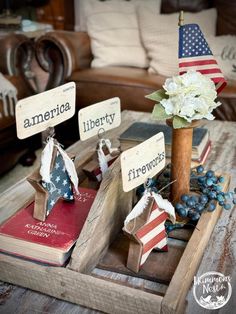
[179, 122]
[157, 95]
[159, 113]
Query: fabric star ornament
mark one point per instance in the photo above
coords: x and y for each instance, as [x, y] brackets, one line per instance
[145, 226]
[54, 180]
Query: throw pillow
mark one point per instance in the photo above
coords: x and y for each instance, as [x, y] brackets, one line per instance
[224, 50]
[113, 29]
[83, 6]
[159, 33]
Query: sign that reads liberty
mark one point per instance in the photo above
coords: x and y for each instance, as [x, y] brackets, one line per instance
[36, 113]
[142, 161]
[100, 117]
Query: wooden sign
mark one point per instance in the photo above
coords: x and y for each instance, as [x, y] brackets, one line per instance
[142, 161]
[36, 113]
[99, 117]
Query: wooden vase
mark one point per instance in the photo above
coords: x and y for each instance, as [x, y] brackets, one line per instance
[181, 155]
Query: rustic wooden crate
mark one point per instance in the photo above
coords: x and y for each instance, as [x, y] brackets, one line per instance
[81, 282]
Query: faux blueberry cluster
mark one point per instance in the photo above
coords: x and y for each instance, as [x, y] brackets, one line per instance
[210, 194]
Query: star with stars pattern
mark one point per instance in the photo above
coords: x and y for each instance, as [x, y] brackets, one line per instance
[47, 194]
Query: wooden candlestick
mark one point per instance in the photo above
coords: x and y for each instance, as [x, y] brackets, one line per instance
[181, 154]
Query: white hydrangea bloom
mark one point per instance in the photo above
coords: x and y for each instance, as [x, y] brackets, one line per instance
[191, 96]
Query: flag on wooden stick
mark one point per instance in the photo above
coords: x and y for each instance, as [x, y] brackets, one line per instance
[195, 54]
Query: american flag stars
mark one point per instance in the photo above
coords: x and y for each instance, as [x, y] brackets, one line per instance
[60, 186]
[195, 54]
[193, 42]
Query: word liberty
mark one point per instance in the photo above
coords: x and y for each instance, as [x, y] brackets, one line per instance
[99, 122]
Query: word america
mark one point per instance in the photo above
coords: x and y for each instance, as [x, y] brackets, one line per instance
[135, 173]
[42, 117]
[90, 124]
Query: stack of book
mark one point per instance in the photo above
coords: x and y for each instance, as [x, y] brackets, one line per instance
[140, 131]
[49, 241]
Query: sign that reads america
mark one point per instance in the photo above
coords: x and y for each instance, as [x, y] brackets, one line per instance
[36, 113]
[142, 161]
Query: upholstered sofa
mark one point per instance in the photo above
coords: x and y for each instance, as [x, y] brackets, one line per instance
[16, 53]
[67, 56]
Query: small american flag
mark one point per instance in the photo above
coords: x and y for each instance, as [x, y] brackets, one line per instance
[195, 54]
[153, 234]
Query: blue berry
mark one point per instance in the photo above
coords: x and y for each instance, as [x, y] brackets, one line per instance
[221, 203]
[184, 197]
[212, 195]
[218, 187]
[178, 206]
[211, 207]
[234, 201]
[210, 173]
[182, 212]
[220, 198]
[214, 179]
[221, 179]
[169, 228]
[209, 182]
[203, 199]
[200, 169]
[194, 198]
[205, 191]
[195, 216]
[190, 203]
[201, 179]
[227, 206]
[199, 208]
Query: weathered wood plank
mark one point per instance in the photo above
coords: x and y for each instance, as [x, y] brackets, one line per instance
[176, 293]
[130, 281]
[78, 288]
[18, 300]
[104, 221]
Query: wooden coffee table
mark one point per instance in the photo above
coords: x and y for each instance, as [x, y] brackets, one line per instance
[219, 254]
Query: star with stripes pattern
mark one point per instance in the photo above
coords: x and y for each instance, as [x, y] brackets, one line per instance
[147, 233]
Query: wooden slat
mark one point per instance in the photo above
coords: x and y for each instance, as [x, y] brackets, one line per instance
[78, 288]
[176, 293]
[130, 281]
[104, 221]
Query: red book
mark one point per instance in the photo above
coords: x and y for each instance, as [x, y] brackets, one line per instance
[50, 241]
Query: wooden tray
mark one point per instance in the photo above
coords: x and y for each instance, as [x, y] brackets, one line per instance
[163, 290]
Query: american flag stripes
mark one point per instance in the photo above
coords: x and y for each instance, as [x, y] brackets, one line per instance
[153, 234]
[145, 226]
[195, 54]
